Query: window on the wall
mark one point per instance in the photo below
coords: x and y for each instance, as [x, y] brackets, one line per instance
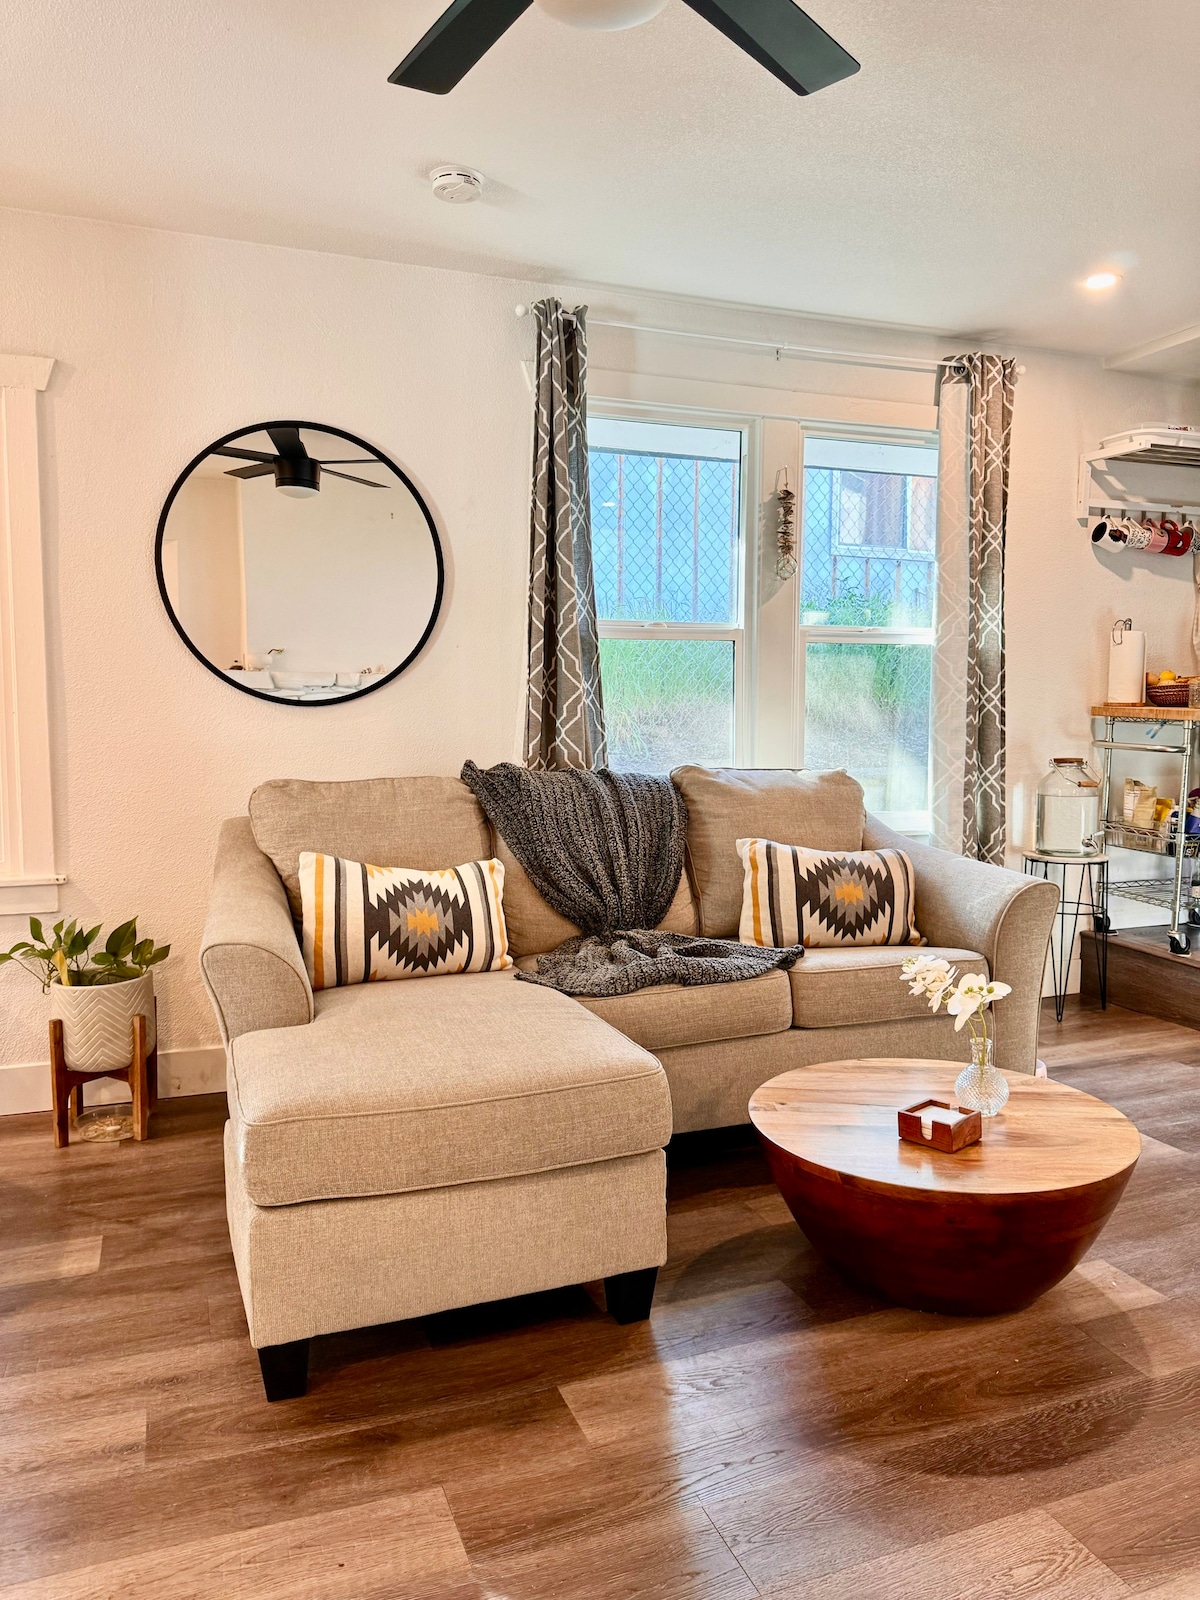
[668, 554]
[867, 609]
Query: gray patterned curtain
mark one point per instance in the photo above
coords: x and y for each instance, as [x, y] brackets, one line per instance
[986, 438]
[564, 723]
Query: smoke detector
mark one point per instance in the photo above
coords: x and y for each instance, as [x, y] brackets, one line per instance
[457, 186]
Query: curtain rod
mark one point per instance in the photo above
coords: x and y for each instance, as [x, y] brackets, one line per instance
[803, 352]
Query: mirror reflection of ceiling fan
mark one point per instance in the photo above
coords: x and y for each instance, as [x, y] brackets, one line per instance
[296, 472]
[776, 33]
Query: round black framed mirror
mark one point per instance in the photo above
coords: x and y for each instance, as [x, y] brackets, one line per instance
[299, 563]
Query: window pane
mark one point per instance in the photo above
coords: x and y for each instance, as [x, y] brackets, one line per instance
[667, 702]
[866, 708]
[869, 534]
[665, 521]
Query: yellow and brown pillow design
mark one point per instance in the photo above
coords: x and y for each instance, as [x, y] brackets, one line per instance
[363, 923]
[822, 898]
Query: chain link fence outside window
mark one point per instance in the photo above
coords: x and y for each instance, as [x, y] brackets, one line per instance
[664, 537]
[870, 544]
[666, 549]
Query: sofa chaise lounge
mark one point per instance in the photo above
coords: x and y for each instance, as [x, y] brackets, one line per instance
[396, 1149]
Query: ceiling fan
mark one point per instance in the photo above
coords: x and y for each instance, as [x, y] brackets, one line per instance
[776, 33]
[296, 472]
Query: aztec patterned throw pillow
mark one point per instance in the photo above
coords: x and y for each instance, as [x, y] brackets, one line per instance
[363, 923]
[791, 895]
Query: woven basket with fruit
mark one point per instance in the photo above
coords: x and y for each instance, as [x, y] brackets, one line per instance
[1166, 689]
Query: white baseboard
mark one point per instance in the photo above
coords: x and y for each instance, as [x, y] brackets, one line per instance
[25, 1086]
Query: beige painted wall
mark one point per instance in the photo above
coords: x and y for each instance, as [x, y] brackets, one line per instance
[166, 341]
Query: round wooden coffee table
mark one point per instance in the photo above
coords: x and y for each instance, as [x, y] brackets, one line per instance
[985, 1230]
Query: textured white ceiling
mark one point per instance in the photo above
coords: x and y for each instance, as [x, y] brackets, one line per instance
[989, 154]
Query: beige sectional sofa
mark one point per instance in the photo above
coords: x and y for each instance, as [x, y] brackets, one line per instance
[401, 1148]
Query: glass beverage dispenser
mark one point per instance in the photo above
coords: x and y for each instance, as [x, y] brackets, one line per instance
[1068, 809]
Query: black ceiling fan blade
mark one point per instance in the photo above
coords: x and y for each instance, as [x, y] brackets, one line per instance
[349, 461]
[259, 470]
[459, 38]
[327, 474]
[781, 38]
[243, 455]
[289, 443]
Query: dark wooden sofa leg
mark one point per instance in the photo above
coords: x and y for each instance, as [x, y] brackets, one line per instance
[629, 1295]
[284, 1369]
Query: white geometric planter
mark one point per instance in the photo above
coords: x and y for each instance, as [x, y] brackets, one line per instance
[98, 1022]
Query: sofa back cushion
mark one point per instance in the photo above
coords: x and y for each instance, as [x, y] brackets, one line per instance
[825, 898]
[366, 924]
[403, 822]
[822, 810]
[535, 927]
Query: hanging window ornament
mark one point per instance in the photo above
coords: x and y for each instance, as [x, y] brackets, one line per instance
[785, 531]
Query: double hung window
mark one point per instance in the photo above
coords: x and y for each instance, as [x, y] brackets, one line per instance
[868, 593]
[699, 662]
[668, 552]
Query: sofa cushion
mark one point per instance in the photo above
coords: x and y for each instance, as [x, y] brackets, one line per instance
[395, 822]
[534, 927]
[833, 988]
[673, 1014]
[823, 810]
[371, 924]
[825, 898]
[402, 1086]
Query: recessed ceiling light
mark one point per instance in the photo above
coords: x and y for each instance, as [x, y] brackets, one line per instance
[1102, 280]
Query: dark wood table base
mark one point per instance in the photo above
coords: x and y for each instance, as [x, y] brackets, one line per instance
[969, 1257]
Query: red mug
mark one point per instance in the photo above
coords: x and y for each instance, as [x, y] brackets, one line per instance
[1160, 538]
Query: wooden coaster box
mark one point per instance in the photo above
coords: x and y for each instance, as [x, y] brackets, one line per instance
[950, 1129]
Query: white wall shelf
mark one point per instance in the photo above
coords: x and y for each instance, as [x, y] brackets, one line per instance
[1147, 469]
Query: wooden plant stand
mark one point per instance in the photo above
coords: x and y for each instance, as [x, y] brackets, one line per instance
[141, 1075]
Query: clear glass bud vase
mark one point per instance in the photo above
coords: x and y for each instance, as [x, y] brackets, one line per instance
[981, 1086]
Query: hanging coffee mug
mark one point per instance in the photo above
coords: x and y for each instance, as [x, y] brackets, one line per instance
[1141, 535]
[1159, 538]
[1179, 540]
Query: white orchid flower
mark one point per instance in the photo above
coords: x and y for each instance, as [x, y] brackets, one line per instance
[939, 982]
[962, 1005]
[974, 993]
[926, 973]
[977, 983]
[937, 992]
[911, 965]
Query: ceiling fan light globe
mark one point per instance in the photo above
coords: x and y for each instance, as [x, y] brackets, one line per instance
[603, 15]
[297, 491]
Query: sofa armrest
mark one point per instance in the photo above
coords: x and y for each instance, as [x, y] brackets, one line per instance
[249, 957]
[1006, 916]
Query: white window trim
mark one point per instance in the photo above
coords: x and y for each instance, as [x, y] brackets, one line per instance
[28, 879]
[771, 694]
[742, 632]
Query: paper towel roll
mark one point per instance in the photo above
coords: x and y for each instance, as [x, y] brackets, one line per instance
[1127, 670]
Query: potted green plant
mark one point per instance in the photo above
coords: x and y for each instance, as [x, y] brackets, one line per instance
[96, 991]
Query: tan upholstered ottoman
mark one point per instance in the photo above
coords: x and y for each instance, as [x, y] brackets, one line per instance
[434, 1143]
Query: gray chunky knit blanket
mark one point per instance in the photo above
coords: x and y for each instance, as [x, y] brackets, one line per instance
[605, 850]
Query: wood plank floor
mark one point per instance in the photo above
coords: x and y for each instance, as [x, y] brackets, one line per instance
[772, 1431]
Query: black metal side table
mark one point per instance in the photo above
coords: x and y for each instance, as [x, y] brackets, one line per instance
[1090, 899]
